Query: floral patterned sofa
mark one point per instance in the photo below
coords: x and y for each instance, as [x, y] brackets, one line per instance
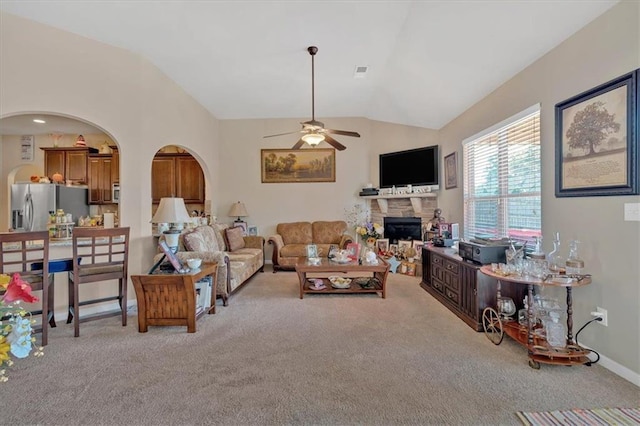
[239, 257]
[291, 240]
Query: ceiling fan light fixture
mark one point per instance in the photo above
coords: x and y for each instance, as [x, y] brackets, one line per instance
[313, 139]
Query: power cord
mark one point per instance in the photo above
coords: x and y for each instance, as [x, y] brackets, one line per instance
[582, 328]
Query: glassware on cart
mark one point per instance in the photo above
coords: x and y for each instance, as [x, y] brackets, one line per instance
[575, 265]
[506, 307]
[554, 258]
[513, 254]
[555, 331]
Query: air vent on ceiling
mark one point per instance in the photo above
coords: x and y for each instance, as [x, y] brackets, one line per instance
[361, 71]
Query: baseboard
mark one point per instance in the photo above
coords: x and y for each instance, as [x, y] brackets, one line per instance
[620, 370]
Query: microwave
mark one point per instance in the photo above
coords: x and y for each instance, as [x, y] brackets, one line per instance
[115, 192]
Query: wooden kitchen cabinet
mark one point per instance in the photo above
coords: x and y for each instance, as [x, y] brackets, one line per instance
[71, 162]
[100, 179]
[115, 166]
[460, 286]
[177, 175]
[190, 180]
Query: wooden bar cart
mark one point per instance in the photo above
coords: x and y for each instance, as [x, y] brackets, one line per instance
[539, 351]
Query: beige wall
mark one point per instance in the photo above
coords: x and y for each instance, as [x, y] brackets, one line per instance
[50, 71]
[142, 110]
[604, 49]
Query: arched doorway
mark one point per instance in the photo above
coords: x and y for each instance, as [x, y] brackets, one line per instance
[36, 146]
[175, 172]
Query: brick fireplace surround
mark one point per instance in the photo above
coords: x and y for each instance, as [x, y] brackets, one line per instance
[402, 207]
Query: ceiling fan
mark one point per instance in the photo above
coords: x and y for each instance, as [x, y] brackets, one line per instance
[314, 131]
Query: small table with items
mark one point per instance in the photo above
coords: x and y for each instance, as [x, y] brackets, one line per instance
[539, 350]
[170, 298]
[335, 277]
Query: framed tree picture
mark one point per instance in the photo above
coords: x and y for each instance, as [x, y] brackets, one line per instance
[597, 140]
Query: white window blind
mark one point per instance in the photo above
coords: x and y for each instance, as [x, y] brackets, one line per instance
[502, 180]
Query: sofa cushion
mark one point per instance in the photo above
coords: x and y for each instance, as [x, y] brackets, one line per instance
[325, 232]
[202, 238]
[234, 238]
[295, 232]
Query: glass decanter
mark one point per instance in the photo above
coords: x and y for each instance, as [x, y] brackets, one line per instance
[554, 259]
[575, 265]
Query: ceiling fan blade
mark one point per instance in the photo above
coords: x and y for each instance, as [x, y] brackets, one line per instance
[343, 132]
[298, 144]
[334, 143]
[282, 134]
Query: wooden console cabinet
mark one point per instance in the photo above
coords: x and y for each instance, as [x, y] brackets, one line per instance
[460, 286]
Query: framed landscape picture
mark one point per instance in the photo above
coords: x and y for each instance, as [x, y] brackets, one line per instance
[597, 140]
[298, 165]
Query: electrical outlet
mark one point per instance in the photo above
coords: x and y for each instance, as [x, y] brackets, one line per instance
[602, 313]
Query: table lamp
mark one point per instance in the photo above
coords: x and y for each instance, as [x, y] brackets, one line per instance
[171, 211]
[238, 209]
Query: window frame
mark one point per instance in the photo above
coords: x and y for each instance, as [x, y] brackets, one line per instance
[502, 198]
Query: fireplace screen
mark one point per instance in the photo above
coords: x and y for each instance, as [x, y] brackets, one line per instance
[402, 228]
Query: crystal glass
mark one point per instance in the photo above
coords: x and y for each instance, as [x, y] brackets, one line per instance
[506, 306]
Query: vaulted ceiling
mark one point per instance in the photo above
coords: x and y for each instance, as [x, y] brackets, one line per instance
[427, 61]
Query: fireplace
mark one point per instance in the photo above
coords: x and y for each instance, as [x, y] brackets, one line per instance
[402, 228]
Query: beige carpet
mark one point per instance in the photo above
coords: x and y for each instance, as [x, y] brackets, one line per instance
[271, 358]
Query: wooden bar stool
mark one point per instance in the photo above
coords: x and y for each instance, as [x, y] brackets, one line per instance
[27, 253]
[98, 255]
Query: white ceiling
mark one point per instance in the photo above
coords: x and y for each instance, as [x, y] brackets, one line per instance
[428, 60]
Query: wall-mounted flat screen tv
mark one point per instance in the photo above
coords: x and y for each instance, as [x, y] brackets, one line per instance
[411, 167]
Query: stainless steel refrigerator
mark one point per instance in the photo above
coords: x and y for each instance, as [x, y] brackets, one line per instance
[32, 202]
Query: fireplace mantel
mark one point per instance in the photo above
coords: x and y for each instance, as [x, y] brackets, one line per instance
[415, 198]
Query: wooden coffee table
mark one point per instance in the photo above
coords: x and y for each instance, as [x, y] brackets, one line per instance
[328, 268]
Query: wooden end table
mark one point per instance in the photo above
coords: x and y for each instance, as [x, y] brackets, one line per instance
[170, 298]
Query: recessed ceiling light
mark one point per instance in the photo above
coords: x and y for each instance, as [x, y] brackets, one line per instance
[39, 121]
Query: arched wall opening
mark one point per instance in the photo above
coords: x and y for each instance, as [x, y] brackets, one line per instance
[176, 171]
[21, 162]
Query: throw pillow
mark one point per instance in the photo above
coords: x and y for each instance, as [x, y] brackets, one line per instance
[201, 239]
[219, 230]
[234, 238]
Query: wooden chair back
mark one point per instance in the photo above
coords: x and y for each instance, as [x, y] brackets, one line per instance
[99, 254]
[27, 253]
[103, 253]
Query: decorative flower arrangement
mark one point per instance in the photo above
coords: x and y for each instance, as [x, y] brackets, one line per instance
[370, 232]
[15, 322]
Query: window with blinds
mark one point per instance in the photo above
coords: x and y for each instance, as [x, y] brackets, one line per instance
[502, 180]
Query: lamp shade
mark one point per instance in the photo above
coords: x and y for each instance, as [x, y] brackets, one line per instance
[171, 210]
[238, 209]
[313, 139]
